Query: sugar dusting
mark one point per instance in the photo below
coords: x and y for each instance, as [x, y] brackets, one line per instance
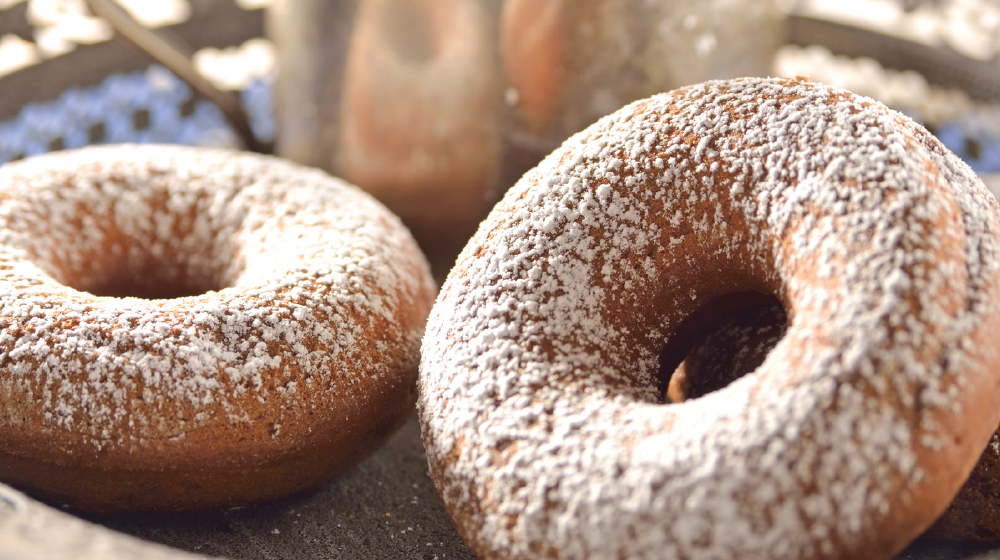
[309, 282]
[539, 409]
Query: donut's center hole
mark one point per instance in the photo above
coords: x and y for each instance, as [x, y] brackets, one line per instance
[157, 274]
[407, 27]
[720, 342]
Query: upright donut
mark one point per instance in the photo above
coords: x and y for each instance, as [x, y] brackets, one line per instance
[540, 383]
[190, 329]
[420, 114]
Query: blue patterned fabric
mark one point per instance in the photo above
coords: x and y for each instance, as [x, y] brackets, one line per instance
[148, 106]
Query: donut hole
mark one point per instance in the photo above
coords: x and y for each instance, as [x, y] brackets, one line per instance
[408, 30]
[148, 276]
[116, 265]
[720, 342]
[146, 244]
[158, 285]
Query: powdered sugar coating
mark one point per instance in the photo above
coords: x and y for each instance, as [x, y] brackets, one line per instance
[315, 306]
[538, 388]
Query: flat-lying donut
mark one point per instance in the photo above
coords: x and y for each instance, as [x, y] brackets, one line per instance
[269, 341]
[541, 399]
[420, 123]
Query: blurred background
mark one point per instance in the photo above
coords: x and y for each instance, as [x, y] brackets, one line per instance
[437, 107]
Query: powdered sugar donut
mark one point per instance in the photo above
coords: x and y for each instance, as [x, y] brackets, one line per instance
[268, 341]
[541, 378]
[740, 344]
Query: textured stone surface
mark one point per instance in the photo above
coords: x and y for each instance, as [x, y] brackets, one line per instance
[385, 508]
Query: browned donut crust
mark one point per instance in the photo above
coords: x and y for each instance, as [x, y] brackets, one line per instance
[540, 399]
[285, 353]
[535, 42]
[974, 514]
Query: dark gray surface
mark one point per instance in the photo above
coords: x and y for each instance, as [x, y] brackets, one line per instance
[386, 507]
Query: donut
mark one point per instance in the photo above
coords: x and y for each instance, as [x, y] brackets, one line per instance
[192, 329]
[564, 61]
[420, 114]
[542, 376]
